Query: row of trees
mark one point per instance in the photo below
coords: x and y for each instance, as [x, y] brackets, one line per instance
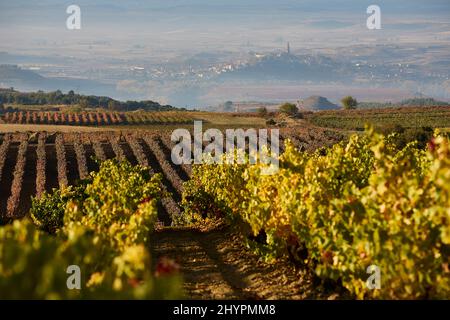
[12, 96]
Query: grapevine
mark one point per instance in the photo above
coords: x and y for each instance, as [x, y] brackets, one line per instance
[16, 187]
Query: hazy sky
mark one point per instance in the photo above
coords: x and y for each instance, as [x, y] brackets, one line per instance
[169, 25]
[118, 35]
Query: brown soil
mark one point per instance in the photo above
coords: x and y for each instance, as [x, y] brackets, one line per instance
[72, 164]
[51, 168]
[129, 153]
[109, 152]
[29, 182]
[90, 155]
[215, 264]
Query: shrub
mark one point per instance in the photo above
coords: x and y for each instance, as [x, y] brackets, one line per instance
[118, 199]
[120, 203]
[401, 136]
[349, 102]
[289, 108]
[33, 266]
[47, 212]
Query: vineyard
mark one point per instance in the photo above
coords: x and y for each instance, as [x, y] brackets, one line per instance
[408, 117]
[358, 205]
[96, 118]
[33, 163]
[336, 206]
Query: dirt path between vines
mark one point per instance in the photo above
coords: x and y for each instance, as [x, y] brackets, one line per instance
[216, 265]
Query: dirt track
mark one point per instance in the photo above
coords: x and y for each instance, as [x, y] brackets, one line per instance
[216, 265]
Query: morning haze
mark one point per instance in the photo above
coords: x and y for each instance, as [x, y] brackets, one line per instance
[203, 53]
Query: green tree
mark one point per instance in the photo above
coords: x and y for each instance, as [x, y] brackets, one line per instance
[289, 108]
[349, 103]
[262, 111]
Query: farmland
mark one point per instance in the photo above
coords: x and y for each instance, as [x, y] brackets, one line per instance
[33, 162]
[211, 223]
[95, 118]
[347, 120]
[42, 161]
[408, 117]
[98, 120]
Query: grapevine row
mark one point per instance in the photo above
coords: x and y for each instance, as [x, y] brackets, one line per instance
[81, 159]
[137, 150]
[115, 144]
[16, 187]
[98, 149]
[40, 165]
[61, 157]
[169, 172]
[93, 118]
[3, 150]
[169, 205]
[359, 204]
[165, 139]
[61, 118]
